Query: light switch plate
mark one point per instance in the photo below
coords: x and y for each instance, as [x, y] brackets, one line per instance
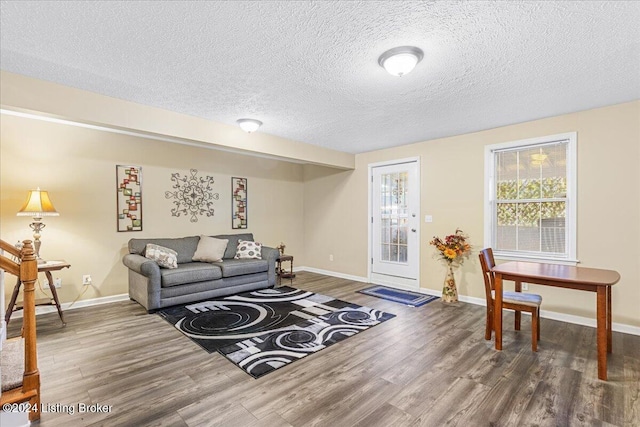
[428, 218]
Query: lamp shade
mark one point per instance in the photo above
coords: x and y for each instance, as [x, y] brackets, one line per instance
[38, 204]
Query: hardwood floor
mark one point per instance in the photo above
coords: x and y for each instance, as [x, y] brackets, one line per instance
[429, 366]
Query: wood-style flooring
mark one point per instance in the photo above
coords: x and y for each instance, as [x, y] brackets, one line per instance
[428, 366]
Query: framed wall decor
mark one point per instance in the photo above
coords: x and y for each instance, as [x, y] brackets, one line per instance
[238, 203]
[129, 197]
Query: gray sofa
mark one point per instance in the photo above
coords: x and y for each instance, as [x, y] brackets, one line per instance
[154, 287]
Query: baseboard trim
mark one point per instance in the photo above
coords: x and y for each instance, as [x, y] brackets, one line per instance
[587, 321]
[79, 304]
[563, 317]
[552, 315]
[333, 274]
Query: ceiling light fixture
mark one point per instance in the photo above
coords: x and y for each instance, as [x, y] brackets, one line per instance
[400, 60]
[249, 125]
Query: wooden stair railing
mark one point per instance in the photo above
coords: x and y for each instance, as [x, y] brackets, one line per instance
[27, 271]
[7, 264]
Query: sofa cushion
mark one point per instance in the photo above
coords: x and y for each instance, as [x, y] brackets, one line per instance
[191, 272]
[239, 267]
[210, 249]
[164, 257]
[212, 289]
[184, 246]
[230, 253]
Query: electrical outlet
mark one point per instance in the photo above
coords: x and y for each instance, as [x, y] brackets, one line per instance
[525, 286]
[331, 257]
[57, 282]
[86, 279]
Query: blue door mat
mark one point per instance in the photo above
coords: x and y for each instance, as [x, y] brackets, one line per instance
[413, 299]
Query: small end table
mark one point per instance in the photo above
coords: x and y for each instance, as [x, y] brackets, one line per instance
[284, 273]
[46, 268]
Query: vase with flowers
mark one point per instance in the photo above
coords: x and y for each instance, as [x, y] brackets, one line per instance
[453, 250]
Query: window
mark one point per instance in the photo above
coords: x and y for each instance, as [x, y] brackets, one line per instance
[530, 193]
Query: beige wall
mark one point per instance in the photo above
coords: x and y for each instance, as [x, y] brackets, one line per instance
[77, 167]
[28, 95]
[318, 211]
[452, 180]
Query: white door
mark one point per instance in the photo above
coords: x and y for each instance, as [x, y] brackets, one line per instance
[395, 221]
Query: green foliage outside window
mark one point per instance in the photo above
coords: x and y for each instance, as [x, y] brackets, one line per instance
[530, 214]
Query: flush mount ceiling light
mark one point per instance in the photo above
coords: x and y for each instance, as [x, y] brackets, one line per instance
[400, 60]
[249, 125]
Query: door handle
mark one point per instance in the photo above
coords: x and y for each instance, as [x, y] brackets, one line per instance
[413, 229]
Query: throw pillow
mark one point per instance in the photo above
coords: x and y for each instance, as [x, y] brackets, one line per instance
[249, 249]
[210, 249]
[164, 257]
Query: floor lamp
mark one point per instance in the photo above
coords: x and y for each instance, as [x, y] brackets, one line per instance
[38, 204]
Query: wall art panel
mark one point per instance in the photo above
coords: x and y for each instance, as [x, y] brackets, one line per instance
[129, 197]
[238, 203]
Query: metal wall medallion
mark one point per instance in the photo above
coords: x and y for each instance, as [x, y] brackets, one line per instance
[192, 195]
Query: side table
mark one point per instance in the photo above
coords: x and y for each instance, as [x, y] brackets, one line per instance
[284, 273]
[46, 268]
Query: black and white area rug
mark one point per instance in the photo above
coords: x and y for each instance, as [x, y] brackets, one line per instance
[264, 330]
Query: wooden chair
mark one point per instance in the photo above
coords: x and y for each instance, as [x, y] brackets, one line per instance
[27, 390]
[517, 301]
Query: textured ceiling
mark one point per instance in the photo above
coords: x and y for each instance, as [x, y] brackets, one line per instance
[309, 70]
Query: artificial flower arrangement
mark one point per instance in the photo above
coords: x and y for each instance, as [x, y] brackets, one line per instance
[454, 248]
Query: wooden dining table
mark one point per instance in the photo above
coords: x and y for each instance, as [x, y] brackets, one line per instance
[563, 276]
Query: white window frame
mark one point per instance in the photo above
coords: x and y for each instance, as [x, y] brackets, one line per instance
[570, 257]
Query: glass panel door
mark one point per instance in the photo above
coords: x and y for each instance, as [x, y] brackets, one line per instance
[395, 201]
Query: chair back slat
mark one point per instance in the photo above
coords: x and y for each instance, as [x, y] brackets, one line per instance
[487, 263]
